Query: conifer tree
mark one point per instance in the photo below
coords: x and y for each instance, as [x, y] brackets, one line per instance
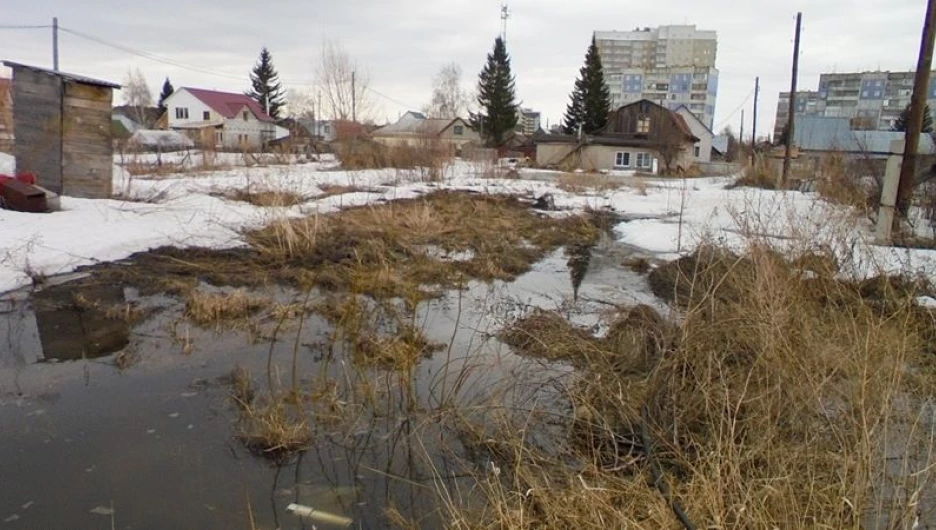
[590, 101]
[901, 123]
[497, 113]
[265, 85]
[167, 90]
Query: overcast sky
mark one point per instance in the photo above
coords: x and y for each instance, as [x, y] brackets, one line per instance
[403, 43]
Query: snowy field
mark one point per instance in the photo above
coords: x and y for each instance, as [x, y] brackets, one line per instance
[667, 217]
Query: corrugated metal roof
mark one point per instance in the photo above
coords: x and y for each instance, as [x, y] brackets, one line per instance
[69, 77]
[414, 123]
[159, 138]
[818, 133]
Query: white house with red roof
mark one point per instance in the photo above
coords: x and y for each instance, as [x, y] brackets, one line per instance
[234, 121]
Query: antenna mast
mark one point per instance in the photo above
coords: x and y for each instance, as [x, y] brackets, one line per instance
[505, 14]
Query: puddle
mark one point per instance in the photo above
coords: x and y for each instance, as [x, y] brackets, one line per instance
[152, 443]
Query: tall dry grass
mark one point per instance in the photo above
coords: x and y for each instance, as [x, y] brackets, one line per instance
[778, 396]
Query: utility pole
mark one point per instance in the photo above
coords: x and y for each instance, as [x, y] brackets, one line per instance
[353, 99]
[55, 63]
[741, 133]
[917, 108]
[792, 108]
[754, 121]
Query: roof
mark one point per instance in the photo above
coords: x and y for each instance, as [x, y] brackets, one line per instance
[694, 118]
[68, 77]
[677, 118]
[818, 133]
[228, 104]
[720, 143]
[407, 126]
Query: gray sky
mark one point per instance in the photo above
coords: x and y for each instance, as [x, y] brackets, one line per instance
[403, 43]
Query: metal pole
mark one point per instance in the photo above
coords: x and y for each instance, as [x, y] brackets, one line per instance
[754, 120]
[55, 55]
[917, 108]
[792, 108]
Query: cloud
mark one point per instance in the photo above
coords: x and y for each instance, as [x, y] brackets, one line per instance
[403, 43]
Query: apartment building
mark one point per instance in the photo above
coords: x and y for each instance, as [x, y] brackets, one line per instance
[871, 100]
[670, 65]
[528, 121]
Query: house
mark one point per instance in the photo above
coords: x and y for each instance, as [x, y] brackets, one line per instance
[702, 150]
[6, 115]
[415, 129]
[642, 135]
[137, 117]
[159, 141]
[223, 120]
[62, 129]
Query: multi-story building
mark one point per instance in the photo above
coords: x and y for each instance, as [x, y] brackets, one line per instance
[670, 65]
[871, 100]
[528, 121]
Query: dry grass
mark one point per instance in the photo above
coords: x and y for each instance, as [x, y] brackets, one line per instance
[430, 156]
[783, 396]
[266, 198]
[214, 309]
[330, 190]
[582, 182]
[758, 175]
[395, 248]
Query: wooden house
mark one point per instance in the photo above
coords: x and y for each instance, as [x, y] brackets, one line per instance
[62, 130]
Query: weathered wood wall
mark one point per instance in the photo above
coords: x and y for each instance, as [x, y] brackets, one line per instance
[37, 119]
[87, 148]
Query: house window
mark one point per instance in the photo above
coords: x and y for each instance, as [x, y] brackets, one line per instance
[206, 115]
[245, 115]
[644, 160]
[181, 113]
[622, 159]
[219, 137]
[696, 151]
[643, 125]
[459, 130]
[327, 129]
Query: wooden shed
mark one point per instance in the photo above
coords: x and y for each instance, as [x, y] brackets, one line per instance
[62, 130]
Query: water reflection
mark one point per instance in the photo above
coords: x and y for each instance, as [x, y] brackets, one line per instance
[80, 322]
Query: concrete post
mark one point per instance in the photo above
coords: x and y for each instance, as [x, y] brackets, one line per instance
[885, 220]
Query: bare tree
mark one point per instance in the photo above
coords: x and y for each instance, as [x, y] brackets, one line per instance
[300, 104]
[344, 85]
[449, 99]
[137, 95]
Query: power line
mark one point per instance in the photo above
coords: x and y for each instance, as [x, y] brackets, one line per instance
[735, 111]
[24, 27]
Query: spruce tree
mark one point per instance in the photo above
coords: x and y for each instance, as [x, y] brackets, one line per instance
[266, 88]
[901, 123]
[167, 90]
[590, 99]
[498, 109]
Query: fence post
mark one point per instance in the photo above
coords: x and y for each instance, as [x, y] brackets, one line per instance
[885, 220]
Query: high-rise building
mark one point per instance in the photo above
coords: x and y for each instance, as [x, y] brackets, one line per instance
[528, 121]
[670, 65]
[872, 100]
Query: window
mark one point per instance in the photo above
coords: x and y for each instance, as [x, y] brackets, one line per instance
[327, 128]
[246, 114]
[181, 113]
[622, 159]
[459, 130]
[219, 137]
[206, 115]
[644, 160]
[643, 125]
[696, 151]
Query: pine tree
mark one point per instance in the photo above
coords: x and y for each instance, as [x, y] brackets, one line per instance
[266, 88]
[590, 99]
[167, 90]
[498, 109]
[901, 123]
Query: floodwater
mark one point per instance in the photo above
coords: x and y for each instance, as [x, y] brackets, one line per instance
[132, 427]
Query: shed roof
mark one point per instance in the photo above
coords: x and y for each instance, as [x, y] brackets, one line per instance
[417, 126]
[818, 133]
[66, 76]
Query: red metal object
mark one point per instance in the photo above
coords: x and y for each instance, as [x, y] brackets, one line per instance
[23, 197]
[26, 178]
